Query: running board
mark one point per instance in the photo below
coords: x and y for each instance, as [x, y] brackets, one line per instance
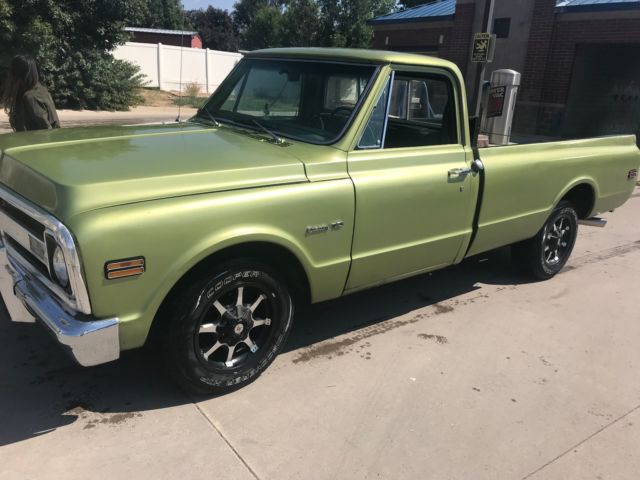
[593, 222]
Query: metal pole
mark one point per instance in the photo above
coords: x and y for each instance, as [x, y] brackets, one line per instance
[481, 67]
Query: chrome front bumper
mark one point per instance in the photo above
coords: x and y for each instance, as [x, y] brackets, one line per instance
[89, 341]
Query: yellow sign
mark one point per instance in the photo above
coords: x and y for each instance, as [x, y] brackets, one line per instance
[481, 48]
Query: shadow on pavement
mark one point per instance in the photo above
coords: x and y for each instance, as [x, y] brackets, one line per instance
[42, 390]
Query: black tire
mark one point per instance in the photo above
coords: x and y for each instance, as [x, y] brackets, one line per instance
[213, 345]
[544, 255]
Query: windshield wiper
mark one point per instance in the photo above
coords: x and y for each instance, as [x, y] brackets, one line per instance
[275, 137]
[215, 122]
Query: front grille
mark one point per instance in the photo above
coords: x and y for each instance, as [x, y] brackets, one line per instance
[32, 226]
[28, 256]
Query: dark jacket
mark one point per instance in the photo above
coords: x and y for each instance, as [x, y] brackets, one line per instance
[35, 111]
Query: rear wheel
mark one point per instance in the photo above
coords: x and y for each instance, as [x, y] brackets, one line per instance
[224, 332]
[546, 254]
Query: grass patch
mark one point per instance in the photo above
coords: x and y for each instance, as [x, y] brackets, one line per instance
[191, 96]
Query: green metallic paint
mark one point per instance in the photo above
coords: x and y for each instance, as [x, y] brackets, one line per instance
[175, 234]
[178, 193]
[74, 176]
[411, 216]
[525, 182]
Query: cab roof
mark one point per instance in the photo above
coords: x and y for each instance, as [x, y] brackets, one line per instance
[354, 55]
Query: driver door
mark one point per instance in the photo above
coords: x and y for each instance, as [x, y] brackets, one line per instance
[414, 201]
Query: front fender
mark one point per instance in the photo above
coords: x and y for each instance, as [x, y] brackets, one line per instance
[176, 234]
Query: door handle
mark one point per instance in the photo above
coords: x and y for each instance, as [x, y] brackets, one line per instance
[459, 172]
[476, 167]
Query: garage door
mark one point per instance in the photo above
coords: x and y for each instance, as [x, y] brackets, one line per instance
[604, 98]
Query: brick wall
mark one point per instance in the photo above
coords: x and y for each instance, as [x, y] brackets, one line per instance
[196, 42]
[457, 47]
[568, 34]
[527, 114]
[175, 40]
[410, 37]
[546, 79]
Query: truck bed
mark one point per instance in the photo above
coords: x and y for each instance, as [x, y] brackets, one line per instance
[534, 177]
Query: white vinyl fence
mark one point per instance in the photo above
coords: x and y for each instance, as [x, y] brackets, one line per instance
[161, 65]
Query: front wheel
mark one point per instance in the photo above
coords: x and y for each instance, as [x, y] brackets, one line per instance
[225, 331]
[545, 255]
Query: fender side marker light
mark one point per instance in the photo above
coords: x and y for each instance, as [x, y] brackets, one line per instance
[127, 267]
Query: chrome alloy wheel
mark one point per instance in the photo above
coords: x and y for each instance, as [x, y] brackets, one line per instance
[235, 327]
[557, 240]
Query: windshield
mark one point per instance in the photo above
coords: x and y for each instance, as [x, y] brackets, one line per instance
[310, 101]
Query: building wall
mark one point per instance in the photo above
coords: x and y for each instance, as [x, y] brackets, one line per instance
[446, 38]
[457, 46]
[421, 37]
[542, 45]
[511, 52]
[551, 54]
[191, 41]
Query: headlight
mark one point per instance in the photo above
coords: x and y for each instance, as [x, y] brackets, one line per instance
[60, 267]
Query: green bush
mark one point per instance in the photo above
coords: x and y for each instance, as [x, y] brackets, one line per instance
[191, 96]
[95, 82]
[71, 40]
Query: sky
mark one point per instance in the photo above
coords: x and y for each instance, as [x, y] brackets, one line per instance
[194, 4]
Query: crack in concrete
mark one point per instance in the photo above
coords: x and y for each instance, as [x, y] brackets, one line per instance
[582, 442]
[226, 440]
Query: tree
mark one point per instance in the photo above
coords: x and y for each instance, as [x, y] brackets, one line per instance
[413, 3]
[328, 23]
[299, 24]
[162, 14]
[215, 27]
[352, 22]
[71, 41]
[265, 29]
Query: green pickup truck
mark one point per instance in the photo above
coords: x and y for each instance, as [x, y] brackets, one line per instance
[309, 174]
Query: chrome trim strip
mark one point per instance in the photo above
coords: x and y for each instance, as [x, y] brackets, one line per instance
[34, 272]
[21, 235]
[80, 300]
[89, 341]
[15, 308]
[386, 111]
[387, 87]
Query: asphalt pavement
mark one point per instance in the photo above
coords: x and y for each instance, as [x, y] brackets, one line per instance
[473, 372]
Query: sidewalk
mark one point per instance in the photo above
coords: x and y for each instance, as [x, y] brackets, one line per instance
[76, 118]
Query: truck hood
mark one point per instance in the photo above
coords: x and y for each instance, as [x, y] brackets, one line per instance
[69, 171]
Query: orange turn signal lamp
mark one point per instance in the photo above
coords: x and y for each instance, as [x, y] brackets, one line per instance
[128, 267]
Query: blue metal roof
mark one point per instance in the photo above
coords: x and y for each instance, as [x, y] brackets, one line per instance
[595, 5]
[434, 10]
[445, 9]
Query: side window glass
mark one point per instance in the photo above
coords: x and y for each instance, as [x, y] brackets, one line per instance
[373, 135]
[422, 112]
[398, 105]
[429, 99]
[341, 91]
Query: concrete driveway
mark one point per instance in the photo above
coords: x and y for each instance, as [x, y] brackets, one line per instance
[469, 373]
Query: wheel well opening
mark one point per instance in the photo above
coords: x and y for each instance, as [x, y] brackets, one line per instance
[582, 197]
[280, 259]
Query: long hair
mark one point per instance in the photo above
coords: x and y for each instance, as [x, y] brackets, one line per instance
[22, 76]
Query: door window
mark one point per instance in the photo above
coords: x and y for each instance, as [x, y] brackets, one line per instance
[373, 136]
[421, 113]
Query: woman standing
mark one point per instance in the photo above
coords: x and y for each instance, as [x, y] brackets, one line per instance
[26, 100]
